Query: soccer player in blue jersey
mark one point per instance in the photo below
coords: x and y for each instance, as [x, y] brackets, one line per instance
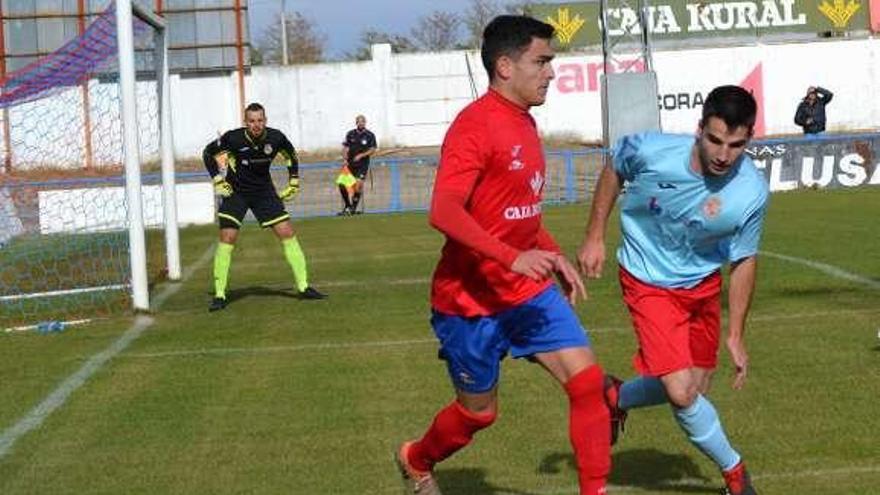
[691, 205]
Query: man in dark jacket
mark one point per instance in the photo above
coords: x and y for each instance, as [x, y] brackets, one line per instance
[811, 112]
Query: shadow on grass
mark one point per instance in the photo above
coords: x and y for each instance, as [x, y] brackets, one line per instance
[648, 469]
[473, 482]
[259, 291]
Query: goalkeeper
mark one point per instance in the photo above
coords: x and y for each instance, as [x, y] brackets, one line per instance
[248, 152]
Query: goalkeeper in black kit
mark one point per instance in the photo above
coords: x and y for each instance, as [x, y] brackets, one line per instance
[248, 152]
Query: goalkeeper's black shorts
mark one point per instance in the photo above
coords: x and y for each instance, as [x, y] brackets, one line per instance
[267, 207]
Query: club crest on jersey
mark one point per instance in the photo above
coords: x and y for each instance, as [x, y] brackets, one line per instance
[712, 207]
[537, 183]
[515, 162]
[267, 149]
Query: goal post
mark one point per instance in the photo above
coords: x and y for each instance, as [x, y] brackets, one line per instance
[125, 10]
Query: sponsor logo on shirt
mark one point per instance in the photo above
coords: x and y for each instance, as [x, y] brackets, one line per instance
[712, 207]
[240, 149]
[666, 185]
[522, 212]
[515, 162]
[537, 182]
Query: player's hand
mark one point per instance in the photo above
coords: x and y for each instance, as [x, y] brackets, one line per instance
[535, 264]
[740, 359]
[570, 280]
[290, 191]
[591, 258]
[221, 187]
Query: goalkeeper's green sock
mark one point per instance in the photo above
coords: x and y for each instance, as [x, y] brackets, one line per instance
[222, 260]
[297, 261]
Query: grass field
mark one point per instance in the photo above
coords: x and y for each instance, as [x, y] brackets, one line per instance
[277, 395]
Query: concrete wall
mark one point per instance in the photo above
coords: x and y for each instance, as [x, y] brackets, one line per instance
[410, 99]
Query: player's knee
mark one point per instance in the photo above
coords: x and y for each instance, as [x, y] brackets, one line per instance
[682, 395]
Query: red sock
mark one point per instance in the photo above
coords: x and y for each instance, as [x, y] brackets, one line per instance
[452, 429]
[589, 429]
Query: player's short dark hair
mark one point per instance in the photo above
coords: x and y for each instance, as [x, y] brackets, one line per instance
[734, 105]
[510, 35]
[255, 107]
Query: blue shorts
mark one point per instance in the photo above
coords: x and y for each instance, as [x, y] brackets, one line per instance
[473, 347]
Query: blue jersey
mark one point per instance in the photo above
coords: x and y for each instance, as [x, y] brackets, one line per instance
[680, 226]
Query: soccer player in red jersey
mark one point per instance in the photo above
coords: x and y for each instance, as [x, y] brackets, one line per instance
[493, 292]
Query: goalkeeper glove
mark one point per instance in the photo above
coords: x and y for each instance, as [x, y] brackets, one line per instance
[221, 187]
[290, 191]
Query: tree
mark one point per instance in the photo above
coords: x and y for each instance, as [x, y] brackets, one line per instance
[475, 19]
[520, 8]
[399, 44]
[480, 12]
[304, 44]
[437, 31]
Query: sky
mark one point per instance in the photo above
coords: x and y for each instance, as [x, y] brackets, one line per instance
[342, 21]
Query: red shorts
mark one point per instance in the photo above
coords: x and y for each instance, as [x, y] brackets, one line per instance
[676, 328]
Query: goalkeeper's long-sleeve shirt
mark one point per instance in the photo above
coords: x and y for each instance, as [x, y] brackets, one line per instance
[248, 158]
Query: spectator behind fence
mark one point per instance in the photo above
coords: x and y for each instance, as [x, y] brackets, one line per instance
[811, 111]
[359, 145]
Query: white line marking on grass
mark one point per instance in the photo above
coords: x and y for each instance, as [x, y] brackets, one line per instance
[826, 268]
[69, 385]
[413, 342]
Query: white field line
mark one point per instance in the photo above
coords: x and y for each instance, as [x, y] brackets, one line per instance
[69, 385]
[825, 268]
[321, 346]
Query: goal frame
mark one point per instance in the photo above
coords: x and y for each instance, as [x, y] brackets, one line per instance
[126, 10]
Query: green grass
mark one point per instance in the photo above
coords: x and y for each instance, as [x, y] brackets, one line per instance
[277, 395]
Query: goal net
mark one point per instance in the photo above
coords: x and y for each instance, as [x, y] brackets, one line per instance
[66, 235]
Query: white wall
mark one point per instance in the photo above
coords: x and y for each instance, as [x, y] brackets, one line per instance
[410, 99]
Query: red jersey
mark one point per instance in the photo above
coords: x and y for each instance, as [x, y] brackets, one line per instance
[487, 201]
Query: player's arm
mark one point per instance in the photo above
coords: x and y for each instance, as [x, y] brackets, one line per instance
[739, 300]
[214, 150]
[591, 255]
[566, 273]
[461, 162]
[288, 154]
[742, 252]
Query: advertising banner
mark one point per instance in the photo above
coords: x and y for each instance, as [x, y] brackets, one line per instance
[833, 162]
[578, 23]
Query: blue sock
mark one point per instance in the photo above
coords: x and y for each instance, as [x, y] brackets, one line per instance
[641, 391]
[703, 427]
